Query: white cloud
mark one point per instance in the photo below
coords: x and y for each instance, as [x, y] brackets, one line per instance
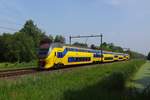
[115, 2]
[119, 2]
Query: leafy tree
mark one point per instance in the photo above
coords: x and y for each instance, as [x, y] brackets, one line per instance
[136, 55]
[25, 47]
[112, 47]
[60, 39]
[21, 46]
[80, 44]
[33, 31]
[51, 38]
[148, 57]
[93, 46]
[46, 40]
[104, 44]
[6, 51]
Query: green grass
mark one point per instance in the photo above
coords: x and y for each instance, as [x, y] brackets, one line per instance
[85, 83]
[8, 65]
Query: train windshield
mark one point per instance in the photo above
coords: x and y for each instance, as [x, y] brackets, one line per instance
[44, 50]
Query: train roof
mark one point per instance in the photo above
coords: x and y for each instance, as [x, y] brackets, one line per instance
[60, 45]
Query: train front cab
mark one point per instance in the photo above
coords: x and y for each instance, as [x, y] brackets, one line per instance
[47, 56]
[43, 54]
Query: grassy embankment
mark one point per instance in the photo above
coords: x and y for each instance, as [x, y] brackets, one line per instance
[100, 82]
[4, 66]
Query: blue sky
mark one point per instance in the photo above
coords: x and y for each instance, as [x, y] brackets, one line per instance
[123, 22]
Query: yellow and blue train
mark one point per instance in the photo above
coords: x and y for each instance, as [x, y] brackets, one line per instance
[59, 55]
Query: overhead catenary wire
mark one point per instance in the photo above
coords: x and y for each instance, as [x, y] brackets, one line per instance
[8, 28]
[11, 9]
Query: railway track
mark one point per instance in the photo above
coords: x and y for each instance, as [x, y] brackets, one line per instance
[17, 72]
[24, 71]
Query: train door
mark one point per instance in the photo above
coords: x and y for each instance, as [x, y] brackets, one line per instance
[58, 59]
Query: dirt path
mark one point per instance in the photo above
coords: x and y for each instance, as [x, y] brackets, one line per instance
[142, 77]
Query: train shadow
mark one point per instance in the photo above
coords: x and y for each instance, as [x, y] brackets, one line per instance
[103, 90]
[76, 66]
[98, 91]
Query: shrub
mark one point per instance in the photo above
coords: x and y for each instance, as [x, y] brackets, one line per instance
[116, 81]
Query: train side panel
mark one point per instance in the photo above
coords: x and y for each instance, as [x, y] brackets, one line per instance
[108, 57]
[67, 57]
[120, 57]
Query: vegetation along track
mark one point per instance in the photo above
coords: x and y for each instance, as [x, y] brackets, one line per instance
[17, 72]
[24, 71]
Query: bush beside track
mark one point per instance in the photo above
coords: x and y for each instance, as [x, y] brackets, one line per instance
[106, 82]
[6, 66]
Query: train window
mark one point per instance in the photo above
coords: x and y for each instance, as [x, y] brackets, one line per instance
[116, 56]
[80, 59]
[120, 57]
[80, 50]
[100, 55]
[97, 55]
[70, 59]
[89, 58]
[73, 59]
[76, 59]
[59, 54]
[108, 58]
[67, 49]
[71, 49]
[55, 53]
[84, 59]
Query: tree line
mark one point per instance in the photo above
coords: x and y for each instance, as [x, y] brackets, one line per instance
[113, 48]
[22, 46]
